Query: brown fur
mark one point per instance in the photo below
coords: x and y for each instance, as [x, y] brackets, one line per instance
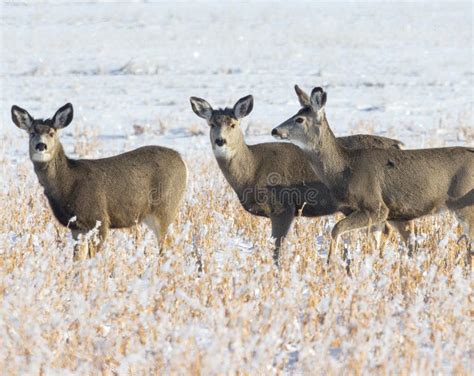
[143, 185]
[272, 180]
[384, 184]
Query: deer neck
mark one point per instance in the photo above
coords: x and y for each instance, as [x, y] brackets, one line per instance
[238, 166]
[54, 175]
[328, 156]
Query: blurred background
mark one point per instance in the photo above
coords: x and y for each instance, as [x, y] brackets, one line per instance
[396, 69]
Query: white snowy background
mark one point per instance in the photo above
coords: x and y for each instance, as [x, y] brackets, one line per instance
[403, 70]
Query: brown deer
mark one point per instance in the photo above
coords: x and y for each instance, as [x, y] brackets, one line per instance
[377, 185]
[143, 185]
[273, 180]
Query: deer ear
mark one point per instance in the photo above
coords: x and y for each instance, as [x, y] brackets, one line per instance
[201, 108]
[302, 97]
[243, 107]
[63, 117]
[318, 99]
[21, 118]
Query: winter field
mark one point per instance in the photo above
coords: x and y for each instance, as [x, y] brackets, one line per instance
[394, 69]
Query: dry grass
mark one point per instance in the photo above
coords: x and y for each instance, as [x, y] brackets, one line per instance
[129, 311]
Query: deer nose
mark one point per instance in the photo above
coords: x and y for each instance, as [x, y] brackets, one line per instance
[220, 141]
[41, 146]
[280, 133]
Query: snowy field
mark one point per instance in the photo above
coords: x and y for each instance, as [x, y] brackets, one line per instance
[394, 69]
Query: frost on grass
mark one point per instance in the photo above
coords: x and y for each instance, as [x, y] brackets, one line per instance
[130, 310]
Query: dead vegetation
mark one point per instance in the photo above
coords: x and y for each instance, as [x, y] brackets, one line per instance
[130, 311]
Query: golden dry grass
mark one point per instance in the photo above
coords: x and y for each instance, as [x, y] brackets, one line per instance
[130, 311]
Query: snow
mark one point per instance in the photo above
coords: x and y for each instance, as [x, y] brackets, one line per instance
[400, 67]
[402, 70]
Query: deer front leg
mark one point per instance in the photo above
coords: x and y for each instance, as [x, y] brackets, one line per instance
[95, 245]
[380, 234]
[354, 221]
[88, 248]
[281, 224]
[80, 248]
[406, 229]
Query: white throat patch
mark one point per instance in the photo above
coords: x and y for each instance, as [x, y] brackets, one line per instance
[223, 152]
[41, 157]
[301, 145]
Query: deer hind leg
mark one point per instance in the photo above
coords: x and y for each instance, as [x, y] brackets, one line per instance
[466, 217]
[154, 223]
[281, 224]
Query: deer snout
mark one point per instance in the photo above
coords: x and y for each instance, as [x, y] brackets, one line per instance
[220, 141]
[40, 146]
[279, 133]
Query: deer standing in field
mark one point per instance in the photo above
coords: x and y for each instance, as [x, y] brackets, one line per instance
[143, 185]
[273, 180]
[377, 185]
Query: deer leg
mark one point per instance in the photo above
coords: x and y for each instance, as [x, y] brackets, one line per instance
[381, 233]
[354, 221]
[154, 224]
[466, 217]
[165, 222]
[280, 226]
[406, 229]
[387, 232]
[96, 246]
[88, 247]
[80, 248]
[332, 248]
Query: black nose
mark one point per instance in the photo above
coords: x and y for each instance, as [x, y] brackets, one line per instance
[220, 141]
[41, 146]
[274, 132]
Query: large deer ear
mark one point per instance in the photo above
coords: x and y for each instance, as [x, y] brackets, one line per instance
[21, 118]
[201, 108]
[302, 97]
[243, 107]
[63, 117]
[318, 99]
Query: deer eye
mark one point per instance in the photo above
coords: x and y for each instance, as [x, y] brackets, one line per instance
[299, 120]
[232, 125]
[51, 134]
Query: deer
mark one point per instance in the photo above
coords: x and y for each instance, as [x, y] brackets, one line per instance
[378, 185]
[143, 185]
[273, 180]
